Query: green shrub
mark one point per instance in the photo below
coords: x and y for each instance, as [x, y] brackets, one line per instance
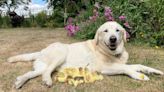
[87, 31]
[1, 21]
[144, 16]
[41, 19]
[5, 22]
[57, 19]
[26, 23]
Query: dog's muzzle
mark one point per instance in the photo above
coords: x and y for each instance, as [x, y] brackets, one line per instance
[112, 39]
[112, 43]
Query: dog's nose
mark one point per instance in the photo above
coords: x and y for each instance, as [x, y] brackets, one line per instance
[113, 39]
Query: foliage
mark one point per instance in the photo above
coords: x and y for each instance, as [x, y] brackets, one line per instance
[28, 22]
[69, 7]
[12, 4]
[5, 22]
[71, 27]
[144, 16]
[88, 30]
[57, 19]
[41, 19]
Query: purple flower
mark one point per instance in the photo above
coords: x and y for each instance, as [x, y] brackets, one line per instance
[126, 24]
[122, 18]
[77, 28]
[70, 20]
[110, 18]
[66, 27]
[108, 14]
[71, 29]
[95, 12]
[108, 10]
[127, 35]
[71, 32]
[93, 18]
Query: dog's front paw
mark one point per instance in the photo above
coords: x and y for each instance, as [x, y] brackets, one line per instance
[139, 76]
[149, 70]
[19, 82]
[47, 82]
[156, 71]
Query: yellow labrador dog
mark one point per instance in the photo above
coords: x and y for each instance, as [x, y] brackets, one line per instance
[105, 54]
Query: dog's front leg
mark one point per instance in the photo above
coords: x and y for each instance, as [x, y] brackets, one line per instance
[123, 69]
[145, 69]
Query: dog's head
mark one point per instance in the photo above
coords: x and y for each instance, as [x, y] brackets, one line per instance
[111, 35]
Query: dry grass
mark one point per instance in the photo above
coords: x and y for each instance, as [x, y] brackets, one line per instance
[17, 41]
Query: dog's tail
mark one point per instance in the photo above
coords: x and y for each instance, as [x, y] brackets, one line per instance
[24, 57]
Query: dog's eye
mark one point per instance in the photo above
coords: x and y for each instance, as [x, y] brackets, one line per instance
[117, 30]
[106, 30]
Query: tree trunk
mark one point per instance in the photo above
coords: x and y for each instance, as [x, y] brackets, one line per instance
[65, 12]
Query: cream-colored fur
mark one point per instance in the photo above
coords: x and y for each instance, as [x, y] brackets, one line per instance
[94, 54]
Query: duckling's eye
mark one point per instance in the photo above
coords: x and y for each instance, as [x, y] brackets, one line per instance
[117, 30]
[106, 30]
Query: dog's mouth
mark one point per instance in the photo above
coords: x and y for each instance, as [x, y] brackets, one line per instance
[111, 46]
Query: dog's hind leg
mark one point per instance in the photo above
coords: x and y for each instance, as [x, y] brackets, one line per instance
[39, 68]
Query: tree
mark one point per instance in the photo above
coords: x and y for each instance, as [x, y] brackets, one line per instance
[68, 7]
[12, 4]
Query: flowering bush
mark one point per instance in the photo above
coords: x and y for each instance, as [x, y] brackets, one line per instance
[145, 20]
[71, 28]
[122, 19]
[108, 15]
[95, 15]
[125, 24]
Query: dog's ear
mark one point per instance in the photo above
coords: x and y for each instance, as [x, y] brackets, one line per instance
[123, 32]
[124, 35]
[97, 38]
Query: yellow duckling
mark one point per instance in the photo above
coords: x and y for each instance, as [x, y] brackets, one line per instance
[76, 76]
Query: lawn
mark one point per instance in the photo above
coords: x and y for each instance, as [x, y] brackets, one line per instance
[24, 40]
